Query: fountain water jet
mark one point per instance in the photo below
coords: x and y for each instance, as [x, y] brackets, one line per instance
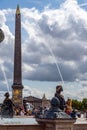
[3, 71]
[58, 69]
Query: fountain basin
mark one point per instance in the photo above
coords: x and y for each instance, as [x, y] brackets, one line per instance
[19, 123]
[19, 120]
[30, 123]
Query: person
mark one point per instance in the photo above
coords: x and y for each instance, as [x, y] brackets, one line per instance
[7, 107]
[58, 94]
[68, 108]
[73, 113]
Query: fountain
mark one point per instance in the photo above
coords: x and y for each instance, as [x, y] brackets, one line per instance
[2, 68]
[57, 66]
[53, 119]
[3, 71]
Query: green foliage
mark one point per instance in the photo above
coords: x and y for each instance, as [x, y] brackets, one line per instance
[79, 105]
[84, 103]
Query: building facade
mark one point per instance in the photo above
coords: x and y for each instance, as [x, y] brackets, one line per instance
[45, 102]
[37, 102]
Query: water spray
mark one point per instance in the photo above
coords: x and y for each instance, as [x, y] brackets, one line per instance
[3, 71]
[58, 69]
[59, 72]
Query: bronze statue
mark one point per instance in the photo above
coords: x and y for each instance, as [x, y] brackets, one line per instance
[68, 109]
[7, 107]
[60, 97]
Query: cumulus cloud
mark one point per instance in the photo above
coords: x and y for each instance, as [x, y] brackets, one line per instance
[28, 90]
[55, 34]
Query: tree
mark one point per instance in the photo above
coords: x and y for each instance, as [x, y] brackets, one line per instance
[77, 105]
[84, 103]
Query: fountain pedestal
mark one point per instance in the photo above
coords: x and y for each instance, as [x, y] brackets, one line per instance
[58, 124]
[55, 119]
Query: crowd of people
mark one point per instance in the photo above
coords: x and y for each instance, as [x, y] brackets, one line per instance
[8, 109]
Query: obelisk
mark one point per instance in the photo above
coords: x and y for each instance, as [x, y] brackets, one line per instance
[17, 87]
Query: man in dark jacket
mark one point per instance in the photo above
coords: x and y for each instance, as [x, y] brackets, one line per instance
[59, 89]
[7, 107]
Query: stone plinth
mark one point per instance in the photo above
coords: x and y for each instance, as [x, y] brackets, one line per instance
[58, 124]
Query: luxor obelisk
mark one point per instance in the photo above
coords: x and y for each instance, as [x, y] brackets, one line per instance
[17, 87]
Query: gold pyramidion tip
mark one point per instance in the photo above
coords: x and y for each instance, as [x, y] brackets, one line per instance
[18, 10]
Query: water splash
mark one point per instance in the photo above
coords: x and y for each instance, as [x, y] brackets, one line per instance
[58, 69]
[59, 72]
[3, 71]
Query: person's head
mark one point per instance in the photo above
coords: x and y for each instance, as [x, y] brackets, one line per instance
[59, 88]
[6, 95]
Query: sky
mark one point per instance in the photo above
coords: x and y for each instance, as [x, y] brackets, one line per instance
[54, 47]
